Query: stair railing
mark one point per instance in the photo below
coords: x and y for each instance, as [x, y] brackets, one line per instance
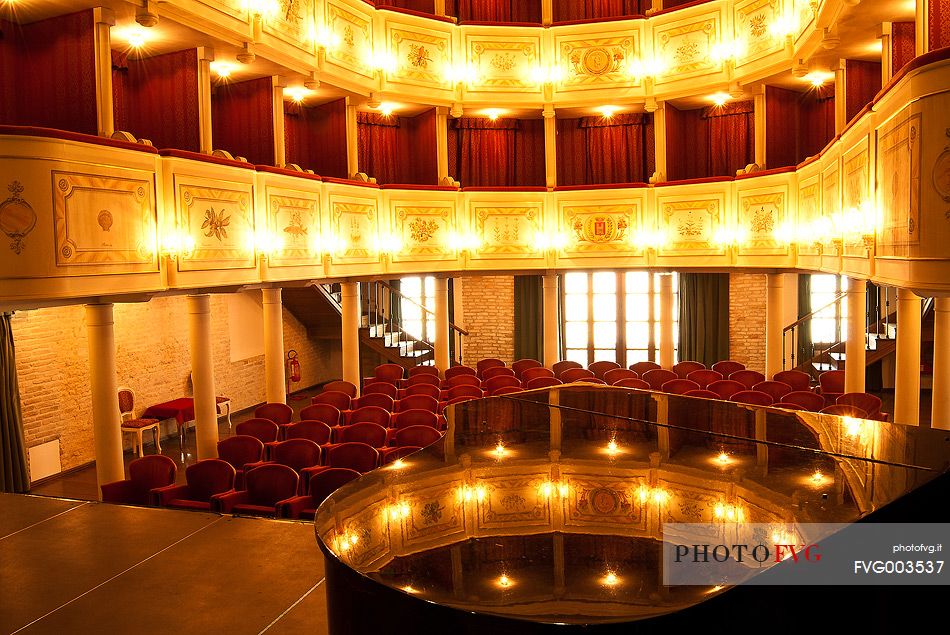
[792, 332]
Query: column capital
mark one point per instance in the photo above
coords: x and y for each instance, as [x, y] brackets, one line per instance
[99, 314]
[103, 15]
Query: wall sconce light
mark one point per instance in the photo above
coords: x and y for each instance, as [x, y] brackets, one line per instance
[607, 111]
[265, 243]
[649, 68]
[383, 62]
[297, 94]
[782, 26]
[655, 239]
[329, 244]
[177, 244]
[463, 241]
[719, 99]
[398, 511]
[550, 241]
[656, 495]
[730, 236]
[464, 73]
[728, 50]
[728, 513]
[222, 69]
[542, 74]
[388, 243]
[468, 493]
[550, 488]
[325, 39]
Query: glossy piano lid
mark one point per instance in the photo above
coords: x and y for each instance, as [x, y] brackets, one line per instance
[548, 505]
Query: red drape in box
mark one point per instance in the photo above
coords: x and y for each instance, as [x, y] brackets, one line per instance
[398, 149]
[863, 81]
[817, 121]
[798, 125]
[565, 10]
[49, 73]
[504, 153]
[421, 148]
[120, 90]
[497, 10]
[242, 116]
[938, 23]
[315, 138]
[161, 100]
[903, 43]
[425, 6]
[596, 150]
[730, 138]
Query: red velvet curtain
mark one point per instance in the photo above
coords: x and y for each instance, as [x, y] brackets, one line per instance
[903, 43]
[502, 153]
[938, 23]
[730, 138]
[420, 141]
[425, 6]
[817, 123]
[242, 117]
[686, 144]
[595, 150]
[315, 137]
[798, 125]
[565, 10]
[161, 102]
[49, 73]
[497, 10]
[863, 81]
[120, 90]
[379, 148]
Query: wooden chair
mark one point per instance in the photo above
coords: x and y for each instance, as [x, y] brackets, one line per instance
[136, 426]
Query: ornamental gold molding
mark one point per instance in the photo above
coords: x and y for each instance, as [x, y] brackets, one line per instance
[421, 56]
[898, 166]
[809, 210]
[425, 232]
[357, 225]
[598, 62]
[354, 32]
[752, 20]
[688, 48]
[507, 231]
[296, 221]
[761, 215]
[690, 225]
[504, 65]
[221, 222]
[601, 229]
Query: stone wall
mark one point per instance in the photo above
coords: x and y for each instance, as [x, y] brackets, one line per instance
[747, 293]
[488, 307]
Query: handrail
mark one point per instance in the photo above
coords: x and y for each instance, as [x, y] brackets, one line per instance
[836, 300]
[399, 293]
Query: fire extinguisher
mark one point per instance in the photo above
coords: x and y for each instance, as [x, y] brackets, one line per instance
[293, 369]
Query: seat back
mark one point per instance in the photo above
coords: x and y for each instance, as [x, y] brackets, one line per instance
[389, 373]
[727, 367]
[679, 386]
[633, 382]
[377, 399]
[455, 371]
[534, 372]
[591, 380]
[844, 410]
[381, 387]
[788, 406]
[601, 367]
[725, 388]
[149, 472]
[753, 397]
[871, 404]
[641, 367]
[489, 362]
[573, 374]
[794, 378]
[614, 375]
[428, 390]
[561, 366]
[419, 402]
[335, 398]
[500, 381]
[774, 389]
[704, 394]
[341, 386]
[296, 453]
[424, 378]
[747, 378]
[417, 417]
[126, 401]
[704, 377]
[417, 435]
[497, 371]
[521, 365]
[505, 390]
[423, 370]
[371, 434]
[325, 482]
[239, 450]
[353, 455]
[832, 381]
[465, 391]
[315, 430]
[463, 380]
[657, 377]
[327, 413]
[263, 429]
[370, 414]
[209, 477]
[806, 399]
[542, 382]
[683, 369]
[270, 483]
[276, 412]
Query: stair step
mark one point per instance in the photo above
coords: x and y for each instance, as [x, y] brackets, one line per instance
[839, 357]
[823, 367]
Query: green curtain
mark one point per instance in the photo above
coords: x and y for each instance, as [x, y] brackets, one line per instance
[528, 344]
[704, 317]
[13, 473]
[803, 346]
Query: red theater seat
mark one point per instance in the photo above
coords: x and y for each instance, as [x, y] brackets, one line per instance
[455, 371]
[522, 365]
[337, 399]
[497, 371]
[316, 431]
[423, 389]
[705, 394]
[774, 389]
[685, 368]
[416, 418]
[657, 377]
[794, 378]
[500, 381]
[341, 386]
[869, 403]
[542, 382]
[505, 390]
[489, 362]
[464, 391]
[560, 367]
[633, 382]
[806, 399]
[327, 413]
[462, 380]
[420, 436]
[842, 410]
[747, 378]
[203, 480]
[679, 386]
[727, 367]
[370, 414]
[321, 485]
[641, 367]
[573, 374]
[616, 374]
[371, 434]
[388, 373]
[145, 474]
[377, 399]
[601, 367]
[753, 397]
[418, 402]
[264, 430]
[382, 387]
[276, 412]
[268, 486]
[353, 455]
[423, 378]
[534, 372]
[423, 370]
[704, 377]
[238, 451]
[725, 388]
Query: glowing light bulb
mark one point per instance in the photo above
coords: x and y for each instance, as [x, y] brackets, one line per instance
[719, 99]
[546, 488]
[644, 493]
[611, 579]
[410, 589]
[660, 496]
[723, 459]
[222, 69]
[297, 93]
[612, 448]
[386, 109]
[136, 37]
[500, 450]
[608, 111]
[719, 510]
[504, 581]
[817, 478]
[493, 113]
[563, 489]
[398, 464]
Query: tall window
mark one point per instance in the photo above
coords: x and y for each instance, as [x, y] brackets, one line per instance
[827, 326]
[419, 292]
[614, 316]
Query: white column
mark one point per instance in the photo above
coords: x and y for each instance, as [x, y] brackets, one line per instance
[759, 127]
[441, 140]
[666, 320]
[887, 57]
[547, 12]
[941, 378]
[774, 308]
[105, 20]
[275, 388]
[442, 334]
[856, 342]
[659, 141]
[552, 345]
[205, 141]
[352, 145]
[841, 97]
[105, 394]
[907, 376]
[439, 7]
[280, 147]
[922, 27]
[200, 337]
[350, 300]
[550, 147]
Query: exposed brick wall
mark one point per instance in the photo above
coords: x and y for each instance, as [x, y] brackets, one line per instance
[152, 358]
[488, 305]
[747, 292]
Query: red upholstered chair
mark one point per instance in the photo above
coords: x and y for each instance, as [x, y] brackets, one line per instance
[641, 367]
[382, 387]
[496, 371]
[355, 456]
[633, 382]
[616, 374]
[704, 377]
[684, 368]
[725, 388]
[418, 402]
[424, 378]
[420, 436]
[341, 386]
[416, 418]
[137, 425]
[203, 480]
[843, 410]
[321, 485]
[542, 382]
[462, 380]
[499, 381]
[464, 391]
[747, 378]
[371, 414]
[327, 413]
[806, 399]
[534, 372]
[788, 406]
[561, 366]
[264, 430]
[774, 389]
[145, 474]
[505, 390]
[794, 378]
[727, 367]
[423, 369]
[753, 397]
[679, 386]
[388, 373]
[705, 394]
[297, 454]
[459, 399]
[573, 374]
[238, 451]
[423, 389]
[657, 377]
[377, 399]
[601, 367]
[591, 380]
[866, 402]
[316, 431]
[369, 433]
[521, 365]
[455, 371]
[484, 364]
[268, 486]
[832, 385]
[276, 412]
[335, 398]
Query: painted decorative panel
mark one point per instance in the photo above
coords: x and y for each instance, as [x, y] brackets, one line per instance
[422, 56]
[809, 211]
[856, 200]
[830, 204]
[690, 503]
[368, 532]
[293, 20]
[103, 220]
[507, 231]
[753, 19]
[353, 38]
[435, 513]
[687, 49]
[606, 229]
[597, 62]
[898, 169]
[805, 11]
[690, 225]
[761, 215]
[598, 501]
[425, 231]
[355, 224]
[221, 222]
[295, 221]
[513, 500]
[504, 65]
